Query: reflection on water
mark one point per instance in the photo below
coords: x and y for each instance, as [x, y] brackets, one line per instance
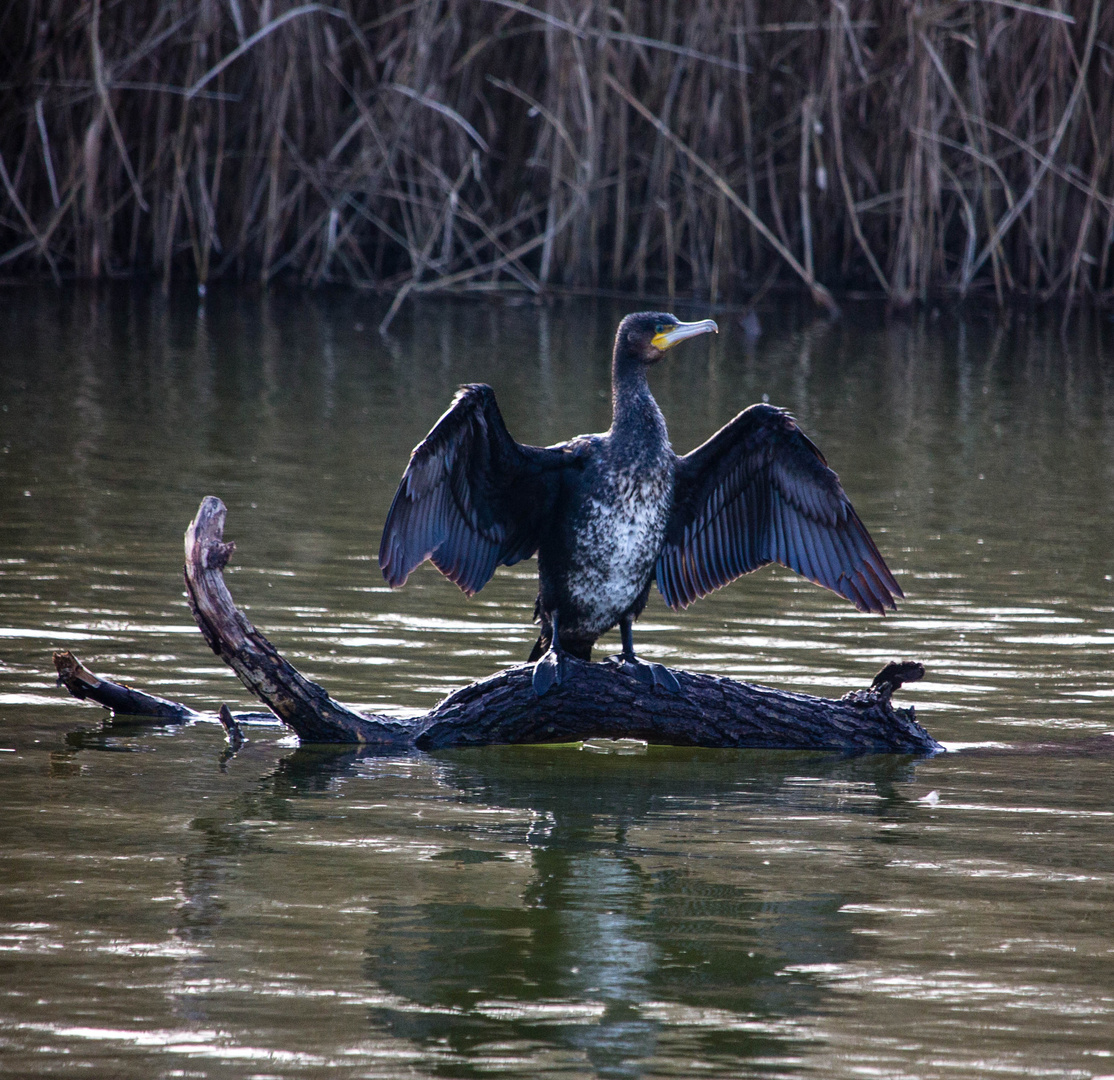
[166, 910]
[544, 911]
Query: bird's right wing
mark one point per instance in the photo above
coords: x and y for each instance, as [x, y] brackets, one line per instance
[471, 498]
[759, 491]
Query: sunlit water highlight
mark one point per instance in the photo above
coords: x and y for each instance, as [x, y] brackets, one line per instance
[547, 911]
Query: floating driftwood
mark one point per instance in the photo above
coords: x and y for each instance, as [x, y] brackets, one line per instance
[596, 700]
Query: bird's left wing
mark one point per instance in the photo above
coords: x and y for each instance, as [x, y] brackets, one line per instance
[759, 491]
[471, 498]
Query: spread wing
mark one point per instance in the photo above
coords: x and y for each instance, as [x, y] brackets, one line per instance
[471, 498]
[758, 491]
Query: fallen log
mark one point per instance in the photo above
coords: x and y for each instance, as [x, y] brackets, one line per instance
[596, 700]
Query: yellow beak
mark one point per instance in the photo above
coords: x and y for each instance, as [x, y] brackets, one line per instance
[668, 338]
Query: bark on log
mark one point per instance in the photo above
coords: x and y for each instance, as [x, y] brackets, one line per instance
[597, 700]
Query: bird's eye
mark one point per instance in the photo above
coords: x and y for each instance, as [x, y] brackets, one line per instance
[660, 328]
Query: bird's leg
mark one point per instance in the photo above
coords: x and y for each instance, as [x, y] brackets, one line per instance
[650, 674]
[550, 668]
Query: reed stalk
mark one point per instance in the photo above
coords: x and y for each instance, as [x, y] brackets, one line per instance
[700, 150]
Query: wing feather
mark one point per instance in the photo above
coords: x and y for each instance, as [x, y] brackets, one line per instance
[803, 550]
[471, 498]
[759, 491]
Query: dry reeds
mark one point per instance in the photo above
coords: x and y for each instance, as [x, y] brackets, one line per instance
[908, 149]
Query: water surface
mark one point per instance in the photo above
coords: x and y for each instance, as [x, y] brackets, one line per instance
[540, 912]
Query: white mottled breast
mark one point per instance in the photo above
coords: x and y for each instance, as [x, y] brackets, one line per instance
[622, 526]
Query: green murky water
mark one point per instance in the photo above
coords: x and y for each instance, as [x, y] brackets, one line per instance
[541, 912]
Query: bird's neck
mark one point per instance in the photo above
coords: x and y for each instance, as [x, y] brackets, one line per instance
[634, 412]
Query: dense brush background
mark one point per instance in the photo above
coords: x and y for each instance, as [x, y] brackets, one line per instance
[910, 148]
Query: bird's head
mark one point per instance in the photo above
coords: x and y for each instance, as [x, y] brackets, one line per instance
[645, 337]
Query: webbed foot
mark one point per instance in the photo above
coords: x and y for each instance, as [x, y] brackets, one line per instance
[649, 674]
[664, 678]
[548, 671]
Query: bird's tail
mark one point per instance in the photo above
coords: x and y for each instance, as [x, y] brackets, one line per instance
[541, 647]
[545, 637]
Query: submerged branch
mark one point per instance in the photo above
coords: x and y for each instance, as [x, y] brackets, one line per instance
[83, 684]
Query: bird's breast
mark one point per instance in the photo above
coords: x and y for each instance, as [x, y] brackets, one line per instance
[619, 532]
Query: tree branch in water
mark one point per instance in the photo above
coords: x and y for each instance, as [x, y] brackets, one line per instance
[596, 700]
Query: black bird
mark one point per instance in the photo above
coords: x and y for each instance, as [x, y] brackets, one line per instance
[608, 514]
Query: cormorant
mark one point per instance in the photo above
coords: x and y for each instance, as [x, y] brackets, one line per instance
[608, 514]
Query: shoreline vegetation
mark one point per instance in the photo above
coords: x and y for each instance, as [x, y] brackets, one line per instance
[911, 151]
